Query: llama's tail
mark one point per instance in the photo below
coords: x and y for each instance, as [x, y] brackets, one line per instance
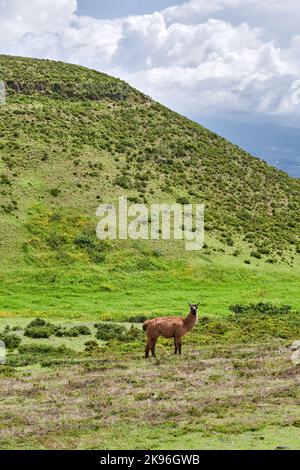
[145, 325]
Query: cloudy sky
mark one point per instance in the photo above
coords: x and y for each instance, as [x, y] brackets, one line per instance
[233, 65]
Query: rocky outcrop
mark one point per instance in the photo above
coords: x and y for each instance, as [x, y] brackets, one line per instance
[295, 357]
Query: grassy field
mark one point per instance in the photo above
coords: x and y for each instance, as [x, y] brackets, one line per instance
[116, 291]
[226, 391]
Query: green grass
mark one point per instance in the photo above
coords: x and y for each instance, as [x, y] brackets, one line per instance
[101, 293]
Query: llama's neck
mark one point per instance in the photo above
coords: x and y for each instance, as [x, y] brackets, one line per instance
[190, 321]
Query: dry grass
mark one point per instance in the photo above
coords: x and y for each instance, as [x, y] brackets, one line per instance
[126, 402]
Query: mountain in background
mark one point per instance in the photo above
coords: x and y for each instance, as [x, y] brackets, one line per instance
[278, 145]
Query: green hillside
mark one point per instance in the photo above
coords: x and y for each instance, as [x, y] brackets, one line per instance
[71, 138]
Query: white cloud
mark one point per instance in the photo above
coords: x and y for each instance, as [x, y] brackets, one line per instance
[198, 57]
[281, 17]
[191, 12]
[18, 17]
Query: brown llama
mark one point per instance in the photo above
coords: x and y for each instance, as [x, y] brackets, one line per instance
[169, 327]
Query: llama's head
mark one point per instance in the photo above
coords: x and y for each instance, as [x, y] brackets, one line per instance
[194, 308]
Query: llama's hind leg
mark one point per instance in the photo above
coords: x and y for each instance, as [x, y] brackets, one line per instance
[147, 349]
[175, 345]
[153, 344]
[148, 345]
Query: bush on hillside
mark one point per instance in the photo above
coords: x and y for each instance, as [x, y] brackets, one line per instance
[38, 332]
[82, 330]
[255, 254]
[39, 328]
[137, 319]
[44, 354]
[111, 331]
[73, 332]
[91, 347]
[260, 309]
[37, 322]
[39, 348]
[11, 341]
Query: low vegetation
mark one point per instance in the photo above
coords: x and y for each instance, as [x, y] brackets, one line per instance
[234, 387]
[39, 328]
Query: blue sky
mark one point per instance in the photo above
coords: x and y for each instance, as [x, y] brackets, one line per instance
[119, 8]
[232, 65]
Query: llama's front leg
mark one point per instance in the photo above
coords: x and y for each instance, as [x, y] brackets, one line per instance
[177, 341]
[175, 345]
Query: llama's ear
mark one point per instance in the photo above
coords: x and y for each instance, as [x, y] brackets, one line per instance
[197, 305]
[189, 304]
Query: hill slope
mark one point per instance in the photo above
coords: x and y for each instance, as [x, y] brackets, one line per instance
[71, 137]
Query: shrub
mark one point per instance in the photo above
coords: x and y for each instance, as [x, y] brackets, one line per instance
[37, 348]
[214, 327]
[16, 328]
[56, 241]
[37, 322]
[255, 254]
[260, 309]
[73, 332]
[39, 328]
[54, 192]
[82, 330]
[91, 346]
[38, 332]
[37, 353]
[134, 334]
[271, 261]
[4, 179]
[263, 250]
[137, 319]
[182, 200]
[110, 331]
[11, 341]
[85, 240]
